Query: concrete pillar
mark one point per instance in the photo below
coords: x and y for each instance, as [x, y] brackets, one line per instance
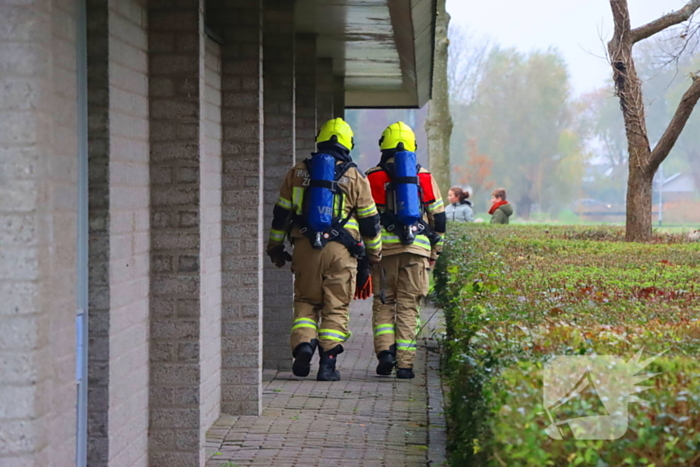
[305, 101]
[38, 216]
[240, 24]
[119, 215]
[324, 90]
[210, 240]
[279, 134]
[177, 90]
[339, 97]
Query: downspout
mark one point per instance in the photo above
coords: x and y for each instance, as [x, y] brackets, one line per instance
[82, 236]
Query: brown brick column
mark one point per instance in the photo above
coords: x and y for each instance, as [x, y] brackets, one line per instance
[324, 90]
[279, 134]
[176, 64]
[240, 24]
[305, 114]
[339, 97]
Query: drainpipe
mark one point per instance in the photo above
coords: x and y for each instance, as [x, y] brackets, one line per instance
[82, 237]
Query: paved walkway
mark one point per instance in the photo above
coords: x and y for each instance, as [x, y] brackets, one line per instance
[364, 420]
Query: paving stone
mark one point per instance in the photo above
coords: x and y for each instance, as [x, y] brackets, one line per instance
[364, 419]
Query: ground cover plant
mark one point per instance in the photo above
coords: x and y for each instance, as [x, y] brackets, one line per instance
[517, 296]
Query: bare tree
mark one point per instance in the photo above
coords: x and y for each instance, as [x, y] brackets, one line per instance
[466, 57]
[643, 161]
[438, 125]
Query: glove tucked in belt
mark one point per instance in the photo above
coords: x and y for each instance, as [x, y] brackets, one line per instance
[363, 289]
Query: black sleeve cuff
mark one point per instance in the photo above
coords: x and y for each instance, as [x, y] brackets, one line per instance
[370, 226]
[440, 220]
[279, 218]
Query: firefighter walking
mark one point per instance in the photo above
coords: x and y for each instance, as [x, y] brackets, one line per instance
[326, 207]
[413, 221]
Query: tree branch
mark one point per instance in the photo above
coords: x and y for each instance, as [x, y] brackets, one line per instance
[665, 21]
[683, 112]
[621, 20]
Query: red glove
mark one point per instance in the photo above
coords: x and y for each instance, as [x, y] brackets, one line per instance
[364, 291]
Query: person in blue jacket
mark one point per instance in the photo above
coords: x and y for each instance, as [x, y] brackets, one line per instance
[460, 208]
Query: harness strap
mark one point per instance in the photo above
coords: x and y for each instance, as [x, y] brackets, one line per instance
[390, 219]
[336, 231]
[405, 180]
[331, 185]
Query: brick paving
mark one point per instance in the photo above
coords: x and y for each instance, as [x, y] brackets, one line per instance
[363, 420]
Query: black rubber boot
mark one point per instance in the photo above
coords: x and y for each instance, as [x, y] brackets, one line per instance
[387, 361]
[326, 369]
[302, 358]
[405, 373]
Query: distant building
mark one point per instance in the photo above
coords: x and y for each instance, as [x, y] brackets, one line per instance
[680, 187]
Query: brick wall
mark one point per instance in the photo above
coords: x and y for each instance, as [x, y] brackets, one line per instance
[240, 24]
[279, 131]
[119, 233]
[99, 232]
[129, 231]
[210, 246]
[60, 298]
[176, 92]
[305, 100]
[324, 90]
[38, 177]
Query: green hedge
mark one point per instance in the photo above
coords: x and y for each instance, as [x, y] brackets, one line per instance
[514, 296]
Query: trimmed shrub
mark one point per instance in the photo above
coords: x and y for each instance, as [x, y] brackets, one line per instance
[515, 296]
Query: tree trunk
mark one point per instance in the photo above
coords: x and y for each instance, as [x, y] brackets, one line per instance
[438, 125]
[640, 186]
[629, 89]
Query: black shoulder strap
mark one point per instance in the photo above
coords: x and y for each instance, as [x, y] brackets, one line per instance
[341, 169]
[386, 169]
[401, 180]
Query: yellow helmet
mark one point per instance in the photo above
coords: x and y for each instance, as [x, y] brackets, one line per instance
[339, 130]
[398, 136]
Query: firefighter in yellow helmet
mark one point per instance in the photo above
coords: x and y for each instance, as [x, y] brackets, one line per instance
[413, 223]
[326, 208]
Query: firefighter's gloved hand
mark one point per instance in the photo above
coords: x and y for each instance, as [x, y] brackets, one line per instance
[363, 289]
[363, 292]
[374, 259]
[278, 256]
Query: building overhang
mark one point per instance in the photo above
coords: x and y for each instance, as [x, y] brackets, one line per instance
[382, 48]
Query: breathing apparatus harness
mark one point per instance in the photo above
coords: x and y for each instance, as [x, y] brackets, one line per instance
[318, 222]
[404, 217]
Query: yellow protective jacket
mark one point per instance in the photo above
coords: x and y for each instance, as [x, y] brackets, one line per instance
[356, 198]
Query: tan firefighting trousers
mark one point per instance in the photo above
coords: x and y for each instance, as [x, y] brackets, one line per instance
[324, 286]
[405, 284]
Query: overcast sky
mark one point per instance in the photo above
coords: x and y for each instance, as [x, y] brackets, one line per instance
[575, 27]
